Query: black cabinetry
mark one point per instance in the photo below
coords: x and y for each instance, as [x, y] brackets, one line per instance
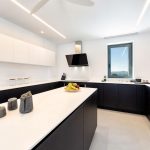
[90, 120]
[75, 132]
[127, 97]
[120, 97]
[35, 89]
[110, 96]
[68, 136]
[141, 99]
[148, 102]
[99, 87]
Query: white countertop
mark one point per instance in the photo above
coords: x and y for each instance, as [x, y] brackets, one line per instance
[27, 84]
[50, 81]
[24, 131]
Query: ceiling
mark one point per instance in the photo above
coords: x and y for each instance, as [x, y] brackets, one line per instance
[105, 18]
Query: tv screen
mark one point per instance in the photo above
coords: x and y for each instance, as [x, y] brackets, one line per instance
[77, 60]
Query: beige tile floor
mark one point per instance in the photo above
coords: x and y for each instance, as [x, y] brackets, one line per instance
[121, 131]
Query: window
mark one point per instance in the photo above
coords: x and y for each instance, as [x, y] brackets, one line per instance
[120, 61]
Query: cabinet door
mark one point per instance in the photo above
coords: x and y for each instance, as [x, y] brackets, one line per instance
[21, 52]
[99, 92]
[148, 102]
[110, 94]
[34, 55]
[141, 99]
[127, 97]
[90, 120]
[50, 57]
[68, 136]
[6, 48]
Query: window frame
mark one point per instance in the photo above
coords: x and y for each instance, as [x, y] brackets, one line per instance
[130, 48]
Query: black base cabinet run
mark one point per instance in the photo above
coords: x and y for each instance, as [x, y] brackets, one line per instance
[68, 136]
[148, 102]
[90, 120]
[127, 97]
[35, 89]
[75, 132]
[110, 96]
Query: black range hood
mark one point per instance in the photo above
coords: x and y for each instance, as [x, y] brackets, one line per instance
[77, 60]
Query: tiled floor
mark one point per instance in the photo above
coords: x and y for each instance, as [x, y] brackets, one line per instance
[121, 131]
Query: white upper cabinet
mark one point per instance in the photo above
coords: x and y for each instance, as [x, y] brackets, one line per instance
[52, 56]
[17, 51]
[34, 56]
[6, 51]
[47, 57]
[21, 52]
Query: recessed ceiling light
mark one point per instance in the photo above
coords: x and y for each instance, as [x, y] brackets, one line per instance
[38, 18]
[143, 12]
[42, 32]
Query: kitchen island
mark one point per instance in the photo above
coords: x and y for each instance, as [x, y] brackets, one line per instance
[60, 120]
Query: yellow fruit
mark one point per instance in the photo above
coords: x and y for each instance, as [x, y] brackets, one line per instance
[74, 84]
[74, 88]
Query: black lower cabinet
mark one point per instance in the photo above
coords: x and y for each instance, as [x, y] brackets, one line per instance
[141, 98]
[76, 132]
[127, 97]
[148, 102]
[110, 96]
[99, 99]
[68, 136]
[90, 120]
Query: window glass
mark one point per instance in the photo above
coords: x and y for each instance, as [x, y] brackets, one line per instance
[120, 61]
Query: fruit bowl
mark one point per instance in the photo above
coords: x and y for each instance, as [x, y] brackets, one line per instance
[71, 90]
[72, 87]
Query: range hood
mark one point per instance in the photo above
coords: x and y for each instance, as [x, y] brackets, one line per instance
[79, 59]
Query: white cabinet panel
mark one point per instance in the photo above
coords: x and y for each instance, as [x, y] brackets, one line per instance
[47, 57]
[21, 52]
[52, 58]
[17, 51]
[6, 48]
[34, 56]
[41, 56]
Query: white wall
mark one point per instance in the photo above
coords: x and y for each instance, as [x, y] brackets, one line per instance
[10, 70]
[97, 56]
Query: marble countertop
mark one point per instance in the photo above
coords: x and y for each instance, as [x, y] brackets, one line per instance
[24, 131]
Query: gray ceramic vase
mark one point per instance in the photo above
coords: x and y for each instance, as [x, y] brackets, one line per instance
[2, 111]
[26, 103]
[12, 103]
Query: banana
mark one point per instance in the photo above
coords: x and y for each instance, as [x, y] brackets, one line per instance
[71, 87]
[74, 88]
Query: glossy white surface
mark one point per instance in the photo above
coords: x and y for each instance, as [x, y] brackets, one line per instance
[54, 80]
[24, 131]
[17, 51]
[24, 85]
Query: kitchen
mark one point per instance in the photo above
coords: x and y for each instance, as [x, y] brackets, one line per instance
[33, 58]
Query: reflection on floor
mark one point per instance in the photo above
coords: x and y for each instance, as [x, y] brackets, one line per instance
[121, 131]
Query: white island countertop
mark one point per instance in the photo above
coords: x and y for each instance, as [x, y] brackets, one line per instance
[24, 131]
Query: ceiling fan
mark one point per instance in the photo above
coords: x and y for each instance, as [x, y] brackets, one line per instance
[41, 3]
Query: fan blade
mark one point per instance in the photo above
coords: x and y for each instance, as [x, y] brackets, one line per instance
[82, 2]
[38, 6]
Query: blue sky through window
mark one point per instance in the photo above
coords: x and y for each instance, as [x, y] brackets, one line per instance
[119, 59]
